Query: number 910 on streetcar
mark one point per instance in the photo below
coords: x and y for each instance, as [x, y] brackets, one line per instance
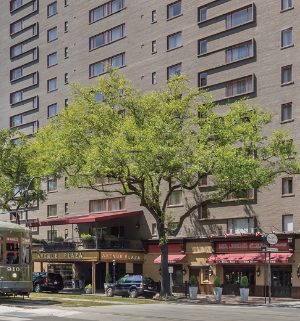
[15, 259]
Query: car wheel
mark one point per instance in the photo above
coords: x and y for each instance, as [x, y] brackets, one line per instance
[37, 288]
[133, 293]
[109, 292]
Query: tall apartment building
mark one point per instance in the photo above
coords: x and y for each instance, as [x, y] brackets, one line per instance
[233, 48]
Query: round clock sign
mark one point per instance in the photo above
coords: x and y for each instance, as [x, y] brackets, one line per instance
[272, 239]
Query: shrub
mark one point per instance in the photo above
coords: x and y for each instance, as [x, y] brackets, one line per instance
[86, 237]
[58, 239]
[244, 282]
[88, 286]
[193, 280]
[217, 282]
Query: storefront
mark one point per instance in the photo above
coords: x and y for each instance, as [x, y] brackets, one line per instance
[89, 266]
[234, 258]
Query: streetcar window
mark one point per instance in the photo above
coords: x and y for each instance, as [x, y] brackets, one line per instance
[25, 258]
[12, 250]
[1, 252]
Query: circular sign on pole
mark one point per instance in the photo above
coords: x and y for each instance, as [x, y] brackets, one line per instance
[272, 239]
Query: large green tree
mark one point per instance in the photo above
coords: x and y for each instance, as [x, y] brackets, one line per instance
[18, 189]
[155, 143]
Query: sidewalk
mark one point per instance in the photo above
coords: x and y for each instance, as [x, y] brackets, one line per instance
[235, 300]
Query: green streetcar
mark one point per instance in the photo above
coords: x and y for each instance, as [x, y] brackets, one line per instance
[15, 259]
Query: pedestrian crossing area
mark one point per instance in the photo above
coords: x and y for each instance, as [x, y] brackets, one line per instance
[9, 313]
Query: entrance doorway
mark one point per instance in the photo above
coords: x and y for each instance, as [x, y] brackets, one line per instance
[232, 277]
[281, 281]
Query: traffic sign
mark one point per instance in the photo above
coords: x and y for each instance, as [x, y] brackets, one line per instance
[272, 239]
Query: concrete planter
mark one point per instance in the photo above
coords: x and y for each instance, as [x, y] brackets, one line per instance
[88, 290]
[244, 293]
[218, 294]
[193, 290]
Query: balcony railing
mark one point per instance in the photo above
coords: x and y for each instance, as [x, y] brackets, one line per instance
[91, 244]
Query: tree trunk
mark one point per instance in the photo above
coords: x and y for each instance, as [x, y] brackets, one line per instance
[165, 276]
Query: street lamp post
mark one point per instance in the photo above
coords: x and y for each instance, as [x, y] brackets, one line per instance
[114, 270]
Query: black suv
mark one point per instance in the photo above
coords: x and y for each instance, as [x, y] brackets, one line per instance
[45, 281]
[132, 286]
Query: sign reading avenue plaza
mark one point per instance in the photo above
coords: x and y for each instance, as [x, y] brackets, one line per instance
[88, 256]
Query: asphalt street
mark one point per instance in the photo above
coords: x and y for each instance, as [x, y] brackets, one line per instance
[160, 312]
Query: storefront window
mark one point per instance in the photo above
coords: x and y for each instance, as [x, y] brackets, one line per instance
[1, 249]
[177, 275]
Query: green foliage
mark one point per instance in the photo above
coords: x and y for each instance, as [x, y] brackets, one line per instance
[88, 286]
[244, 282]
[86, 237]
[193, 280]
[58, 239]
[217, 282]
[18, 189]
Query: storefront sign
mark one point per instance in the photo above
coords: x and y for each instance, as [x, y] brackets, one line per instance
[66, 256]
[251, 246]
[122, 256]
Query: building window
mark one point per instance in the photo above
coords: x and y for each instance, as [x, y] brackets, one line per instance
[286, 37]
[174, 70]
[287, 223]
[239, 17]
[153, 16]
[99, 97]
[52, 84]
[52, 210]
[66, 208]
[287, 185]
[16, 50]
[174, 9]
[286, 4]
[106, 10]
[202, 47]
[174, 41]
[109, 205]
[52, 34]
[66, 52]
[66, 26]
[153, 78]
[153, 46]
[286, 112]
[154, 229]
[52, 59]
[51, 184]
[202, 79]
[286, 74]
[66, 78]
[15, 4]
[52, 9]
[16, 120]
[239, 52]
[203, 212]
[16, 97]
[107, 37]
[239, 87]
[16, 73]
[240, 225]
[202, 14]
[203, 180]
[16, 26]
[175, 198]
[52, 110]
[51, 235]
[100, 67]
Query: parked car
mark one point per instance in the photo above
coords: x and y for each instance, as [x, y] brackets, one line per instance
[132, 286]
[45, 281]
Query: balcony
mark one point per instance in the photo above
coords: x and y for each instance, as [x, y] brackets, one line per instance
[93, 243]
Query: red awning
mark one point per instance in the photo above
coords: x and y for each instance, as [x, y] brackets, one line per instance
[172, 258]
[248, 258]
[92, 217]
